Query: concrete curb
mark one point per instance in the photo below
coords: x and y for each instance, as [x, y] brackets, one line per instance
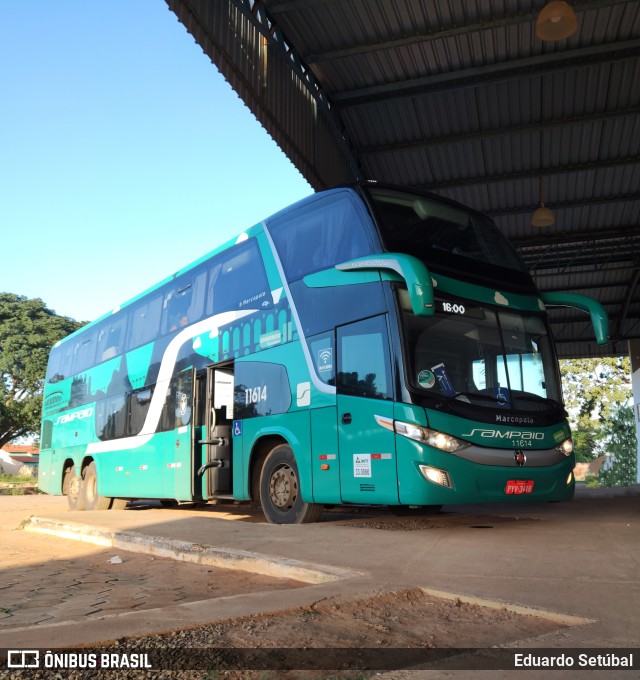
[195, 553]
[556, 617]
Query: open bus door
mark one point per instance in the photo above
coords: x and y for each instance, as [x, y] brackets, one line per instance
[212, 435]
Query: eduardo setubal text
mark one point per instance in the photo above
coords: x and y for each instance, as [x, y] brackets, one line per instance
[575, 660]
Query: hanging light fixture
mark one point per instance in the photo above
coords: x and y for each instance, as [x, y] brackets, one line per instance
[556, 21]
[542, 217]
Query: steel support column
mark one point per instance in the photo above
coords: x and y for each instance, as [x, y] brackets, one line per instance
[634, 354]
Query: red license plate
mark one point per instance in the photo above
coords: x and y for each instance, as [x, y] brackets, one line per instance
[519, 486]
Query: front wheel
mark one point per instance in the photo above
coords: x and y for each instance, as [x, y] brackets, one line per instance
[280, 494]
[89, 490]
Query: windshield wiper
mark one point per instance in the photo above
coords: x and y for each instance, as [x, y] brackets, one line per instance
[537, 399]
[467, 396]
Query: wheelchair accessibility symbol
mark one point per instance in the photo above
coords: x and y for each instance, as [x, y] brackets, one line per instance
[237, 428]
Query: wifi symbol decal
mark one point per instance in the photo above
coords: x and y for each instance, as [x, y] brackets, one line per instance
[325, 359]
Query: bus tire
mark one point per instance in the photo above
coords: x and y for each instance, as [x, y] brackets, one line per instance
[119, 503]
[280, 494]
[72, 488]
[89, 490]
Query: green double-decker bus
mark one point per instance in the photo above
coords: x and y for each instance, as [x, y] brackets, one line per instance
[367, 345]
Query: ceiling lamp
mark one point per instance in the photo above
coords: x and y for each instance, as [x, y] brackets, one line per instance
[556, 21]
[542, 217]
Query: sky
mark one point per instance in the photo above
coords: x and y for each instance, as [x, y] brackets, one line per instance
[125, 154]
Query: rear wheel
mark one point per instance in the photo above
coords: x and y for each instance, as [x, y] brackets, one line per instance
[72, 487]
[89, 490]
[119, 503]
[280, 494]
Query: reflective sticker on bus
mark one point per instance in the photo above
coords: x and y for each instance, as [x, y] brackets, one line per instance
[380, 456]
[327, 456]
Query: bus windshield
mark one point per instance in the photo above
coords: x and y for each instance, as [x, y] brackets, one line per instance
[467, 353]
[447, 237]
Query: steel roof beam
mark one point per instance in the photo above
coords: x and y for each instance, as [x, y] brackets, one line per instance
[257, 14]
[576, 272]
[603, 200]
[497, 132]
[585, 286]
[602, 246]
[440, 34]
[633, 284]
[601, 233]
[475, 76]
[525, 174]
[570, 265]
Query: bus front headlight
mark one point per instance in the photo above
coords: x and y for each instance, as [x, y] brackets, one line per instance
[566, 447]
[439, 440]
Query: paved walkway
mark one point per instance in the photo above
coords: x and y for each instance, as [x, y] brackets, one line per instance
[48, 580]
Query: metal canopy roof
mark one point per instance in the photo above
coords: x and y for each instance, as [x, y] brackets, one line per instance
[460, 97]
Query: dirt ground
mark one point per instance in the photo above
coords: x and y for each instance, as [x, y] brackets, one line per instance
[335, 638]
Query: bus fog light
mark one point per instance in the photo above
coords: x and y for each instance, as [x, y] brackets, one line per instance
[566, 447]
[436, 476]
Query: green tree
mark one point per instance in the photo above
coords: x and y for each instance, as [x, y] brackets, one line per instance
[593, 391]
[595, 387]
[587, 441]
[28, 329]
[621, 445]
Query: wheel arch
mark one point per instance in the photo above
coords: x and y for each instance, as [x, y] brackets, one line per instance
[259, 452]
[68, 464]
[296, 433]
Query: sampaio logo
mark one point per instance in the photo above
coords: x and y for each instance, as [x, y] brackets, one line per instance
[76, 415]
[525, 435]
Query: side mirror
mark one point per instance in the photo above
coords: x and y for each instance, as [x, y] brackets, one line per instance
[599, 318]
[409, 268]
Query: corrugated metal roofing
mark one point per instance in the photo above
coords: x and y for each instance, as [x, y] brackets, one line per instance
[461, 98]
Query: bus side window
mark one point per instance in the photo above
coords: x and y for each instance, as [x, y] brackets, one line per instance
[139, 402]
[111, 338]
[363, 359]
[177, 406]
[145, 322]
[111, 417]
[84, 351]
[238, 280]
[183, 303]
[328, 231]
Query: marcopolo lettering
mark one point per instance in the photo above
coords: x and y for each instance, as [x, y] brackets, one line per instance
[514, 420]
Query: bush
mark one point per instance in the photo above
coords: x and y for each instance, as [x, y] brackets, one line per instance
[27, 471]
[591, 481]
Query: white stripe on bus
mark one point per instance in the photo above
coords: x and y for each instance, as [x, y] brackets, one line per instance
[211, 324]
